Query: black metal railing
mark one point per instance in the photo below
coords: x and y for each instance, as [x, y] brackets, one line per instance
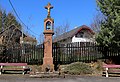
[27, 53]
[62, 53]
[80, 52]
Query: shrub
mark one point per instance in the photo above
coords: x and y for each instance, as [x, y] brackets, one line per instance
[78, 68]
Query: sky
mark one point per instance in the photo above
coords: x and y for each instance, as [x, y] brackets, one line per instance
[32, 13]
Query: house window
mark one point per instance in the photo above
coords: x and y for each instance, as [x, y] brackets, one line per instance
[80, 35]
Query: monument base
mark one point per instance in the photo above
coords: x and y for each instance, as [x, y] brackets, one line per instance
[48, 65]
[48, 68]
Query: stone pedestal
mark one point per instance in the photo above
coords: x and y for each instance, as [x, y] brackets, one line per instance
[48, 65]
[48, 59]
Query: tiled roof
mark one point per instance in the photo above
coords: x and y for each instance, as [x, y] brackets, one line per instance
[71, 33]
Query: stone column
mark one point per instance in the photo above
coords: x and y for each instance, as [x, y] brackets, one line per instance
[48, 59]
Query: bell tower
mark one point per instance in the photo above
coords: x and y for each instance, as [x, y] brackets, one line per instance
[48, 33]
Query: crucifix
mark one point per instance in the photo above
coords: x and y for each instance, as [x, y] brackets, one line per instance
[48, 7]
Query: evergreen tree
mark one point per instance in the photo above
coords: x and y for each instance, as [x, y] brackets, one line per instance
[0, 21]
[109, 36]
[6, 20]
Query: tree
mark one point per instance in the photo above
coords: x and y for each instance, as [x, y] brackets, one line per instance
[109, 35]
[61, 29]
[97, 20]
[41, 38]
[0, 21]
[6, 20]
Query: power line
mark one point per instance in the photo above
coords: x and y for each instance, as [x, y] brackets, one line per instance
[20, 18]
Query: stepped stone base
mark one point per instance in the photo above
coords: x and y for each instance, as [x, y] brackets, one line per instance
[48, 68]
[48, 75]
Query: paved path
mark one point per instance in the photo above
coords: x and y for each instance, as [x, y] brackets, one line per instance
[19, 78]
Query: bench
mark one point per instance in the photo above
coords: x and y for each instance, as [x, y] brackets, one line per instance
[14, 67]
[112, 66]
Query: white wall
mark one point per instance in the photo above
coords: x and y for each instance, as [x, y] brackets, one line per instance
[74, 39]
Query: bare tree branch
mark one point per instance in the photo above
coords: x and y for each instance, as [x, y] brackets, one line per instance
[61, 29]
[97, 20]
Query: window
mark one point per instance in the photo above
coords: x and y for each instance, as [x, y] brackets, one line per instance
[80, 35]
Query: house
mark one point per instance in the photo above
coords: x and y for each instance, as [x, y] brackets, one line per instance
[28, 40]
[15, 45]
[13, 35]
[79, 34]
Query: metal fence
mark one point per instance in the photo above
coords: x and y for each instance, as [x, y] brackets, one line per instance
[74, 52]
[62, 53]
[82, 52]
[26, 53]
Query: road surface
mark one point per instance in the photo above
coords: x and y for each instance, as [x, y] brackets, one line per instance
[26, 78]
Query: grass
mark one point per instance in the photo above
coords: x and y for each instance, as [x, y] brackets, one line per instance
[78, 68]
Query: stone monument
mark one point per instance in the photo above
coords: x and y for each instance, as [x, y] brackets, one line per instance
[48, 65]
